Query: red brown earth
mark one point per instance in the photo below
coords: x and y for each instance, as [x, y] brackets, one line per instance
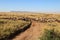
[33, 33]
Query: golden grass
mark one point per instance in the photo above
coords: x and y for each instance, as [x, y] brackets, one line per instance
[8, 27]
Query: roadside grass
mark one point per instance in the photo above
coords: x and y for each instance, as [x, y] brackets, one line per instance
[51, 31]
[8, 27]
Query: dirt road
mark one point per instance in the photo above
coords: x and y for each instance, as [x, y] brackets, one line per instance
[30, 34]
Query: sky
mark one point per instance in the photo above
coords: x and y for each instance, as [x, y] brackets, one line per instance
[30, 5]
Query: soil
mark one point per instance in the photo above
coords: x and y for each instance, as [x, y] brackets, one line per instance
[33, 33]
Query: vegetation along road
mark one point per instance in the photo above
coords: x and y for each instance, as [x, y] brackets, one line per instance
[32, 33]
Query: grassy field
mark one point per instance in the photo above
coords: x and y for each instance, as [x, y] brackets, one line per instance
[13, 21]
[50, 31]
[9, 26]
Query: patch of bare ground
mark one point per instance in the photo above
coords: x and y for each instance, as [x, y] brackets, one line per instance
[32, 33]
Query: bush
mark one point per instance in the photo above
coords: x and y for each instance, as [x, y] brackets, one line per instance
[50, 35]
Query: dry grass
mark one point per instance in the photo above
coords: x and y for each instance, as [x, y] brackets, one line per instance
[11, 24]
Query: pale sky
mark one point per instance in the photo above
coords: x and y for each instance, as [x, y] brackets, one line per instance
[30, 5]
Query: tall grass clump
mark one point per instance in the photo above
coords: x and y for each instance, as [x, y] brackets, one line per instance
[8, 27]
[50, 35]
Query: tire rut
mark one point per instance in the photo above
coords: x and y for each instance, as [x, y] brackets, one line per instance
[30, 34]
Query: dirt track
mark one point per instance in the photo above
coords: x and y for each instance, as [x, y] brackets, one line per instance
[32, 33]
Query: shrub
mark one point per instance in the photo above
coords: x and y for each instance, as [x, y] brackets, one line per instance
[50, 35]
